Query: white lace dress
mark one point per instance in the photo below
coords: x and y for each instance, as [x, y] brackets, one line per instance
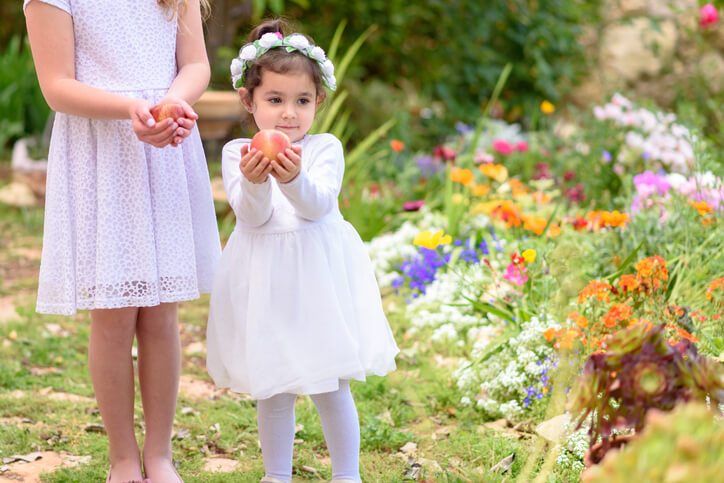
[295, 305]
[126, 224]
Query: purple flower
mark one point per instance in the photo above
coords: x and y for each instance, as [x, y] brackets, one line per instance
[606, 156]
[647, 178]
[413, 205]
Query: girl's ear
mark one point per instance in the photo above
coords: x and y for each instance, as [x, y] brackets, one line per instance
[320, 98]
[245, 98]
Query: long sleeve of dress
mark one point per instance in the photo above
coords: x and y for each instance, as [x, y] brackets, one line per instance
[313, 193]
[251, 202]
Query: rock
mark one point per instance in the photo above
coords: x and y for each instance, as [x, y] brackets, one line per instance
[18, 194]
[634, 50]
[711, 69]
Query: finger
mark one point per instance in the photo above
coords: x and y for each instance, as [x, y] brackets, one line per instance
[144, 115]
[260, 167]
[181, 132]
[189, 112]
[164, 137]
[186, 123]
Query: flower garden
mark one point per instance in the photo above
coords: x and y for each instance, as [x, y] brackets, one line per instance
[554, 279]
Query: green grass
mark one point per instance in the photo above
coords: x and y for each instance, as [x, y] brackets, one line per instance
[41, 355]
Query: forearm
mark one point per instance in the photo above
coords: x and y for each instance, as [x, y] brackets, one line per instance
[191, 81]
[73, 97]
[311, 200]
[251, 202]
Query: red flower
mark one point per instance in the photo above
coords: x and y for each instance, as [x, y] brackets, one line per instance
[447, 154]
[397, 145]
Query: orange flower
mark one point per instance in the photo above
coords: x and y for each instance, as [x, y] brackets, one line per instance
[617, 313]
[685, 335]
[462, 176]
[495, 171]
[718, 283]
[599, 290]
[480, 189]
[535, 224]
[579, 319]
[550, 334]
[541, 198]
[628, 283]
[604, 219]
[506, 210]
[651, 272]
[702, 207]
[397, 145]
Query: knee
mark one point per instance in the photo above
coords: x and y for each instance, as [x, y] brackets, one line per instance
[159, 321]
[114, 325]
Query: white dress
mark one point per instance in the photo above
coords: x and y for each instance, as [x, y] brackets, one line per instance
[126, 224]
[295, 305]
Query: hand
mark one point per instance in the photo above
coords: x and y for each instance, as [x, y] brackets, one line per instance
[289, 164]
[158, 134]
[254, 165]
[186, 123]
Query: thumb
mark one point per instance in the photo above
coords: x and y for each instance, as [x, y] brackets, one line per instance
[144, 115]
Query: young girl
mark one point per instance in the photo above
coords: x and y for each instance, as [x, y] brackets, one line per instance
[130, 228]
[295, 308]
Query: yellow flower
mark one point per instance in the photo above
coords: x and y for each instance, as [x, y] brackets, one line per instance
[431, 240]
[529, 255]
[457, 198]
[547, 107]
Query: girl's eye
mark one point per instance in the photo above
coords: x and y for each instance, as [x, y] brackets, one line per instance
[275, 100]
[303, 101]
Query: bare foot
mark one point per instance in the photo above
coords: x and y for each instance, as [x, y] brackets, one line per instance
[161, 470]
[126, 470]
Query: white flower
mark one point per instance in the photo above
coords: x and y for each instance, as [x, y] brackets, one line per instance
[328, 68]
[236, 67]
[298, 41]
[269, 40]
[331, 82]
[248, 53]
[317, 53]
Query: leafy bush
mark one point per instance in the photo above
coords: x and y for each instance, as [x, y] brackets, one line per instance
[453, 52]
[24, 109]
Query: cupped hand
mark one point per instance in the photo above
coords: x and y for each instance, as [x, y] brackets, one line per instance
[186, 123]
[254, 165]
[158, 134]
[289, 164]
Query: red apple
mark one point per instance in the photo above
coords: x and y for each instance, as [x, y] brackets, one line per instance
[166, 110]
[271, 142]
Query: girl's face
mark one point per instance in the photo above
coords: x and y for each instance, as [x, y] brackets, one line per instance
[286, 102]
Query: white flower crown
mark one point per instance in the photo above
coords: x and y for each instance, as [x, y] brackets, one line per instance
[270, 40]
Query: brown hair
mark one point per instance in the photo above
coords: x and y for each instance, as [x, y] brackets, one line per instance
[177, 7]
[279, 60]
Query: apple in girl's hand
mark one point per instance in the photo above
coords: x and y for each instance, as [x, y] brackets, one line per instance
[167, 110]
[271, 142]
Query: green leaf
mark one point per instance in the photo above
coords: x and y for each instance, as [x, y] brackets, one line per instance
[626, 263]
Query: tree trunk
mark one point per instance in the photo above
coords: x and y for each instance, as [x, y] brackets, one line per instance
[223, 24]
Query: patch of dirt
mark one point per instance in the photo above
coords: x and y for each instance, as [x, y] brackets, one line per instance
[46, 462]
[55, 396]
[220, 465]
[7, 310]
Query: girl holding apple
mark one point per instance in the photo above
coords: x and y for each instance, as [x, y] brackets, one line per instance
[295, 307]
[130, 228]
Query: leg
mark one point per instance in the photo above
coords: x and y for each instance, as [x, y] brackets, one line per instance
[275, 417]
[111, 369]
[159, 369]
[340, 425]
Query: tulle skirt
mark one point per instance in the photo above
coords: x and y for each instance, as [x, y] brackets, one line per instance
[295, 312]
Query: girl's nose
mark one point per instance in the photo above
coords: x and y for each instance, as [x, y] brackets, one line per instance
[289, 111]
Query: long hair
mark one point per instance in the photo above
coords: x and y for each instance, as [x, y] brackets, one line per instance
[177, 6]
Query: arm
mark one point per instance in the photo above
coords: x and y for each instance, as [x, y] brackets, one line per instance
[54, 57]
[314, 192]
[193, 67]
[251, 202]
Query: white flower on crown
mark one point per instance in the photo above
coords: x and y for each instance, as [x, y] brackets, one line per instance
[236, 67]
[298, 41]
[328, 68]
[331, 82]
[269, 40]
[317, 53]
[248, 52]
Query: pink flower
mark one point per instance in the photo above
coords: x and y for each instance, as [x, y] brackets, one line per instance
[708, 15]
[502, 146]
[521, 146]
[569, 175]
[516, 274]
[413, 205]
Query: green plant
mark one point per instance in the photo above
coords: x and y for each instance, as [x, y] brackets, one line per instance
[683, 445]
[637, 371]
[24, 109]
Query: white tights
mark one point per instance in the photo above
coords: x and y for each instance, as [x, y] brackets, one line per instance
[340, 425]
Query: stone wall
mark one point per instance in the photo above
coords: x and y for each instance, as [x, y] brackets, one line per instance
[652, 49]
